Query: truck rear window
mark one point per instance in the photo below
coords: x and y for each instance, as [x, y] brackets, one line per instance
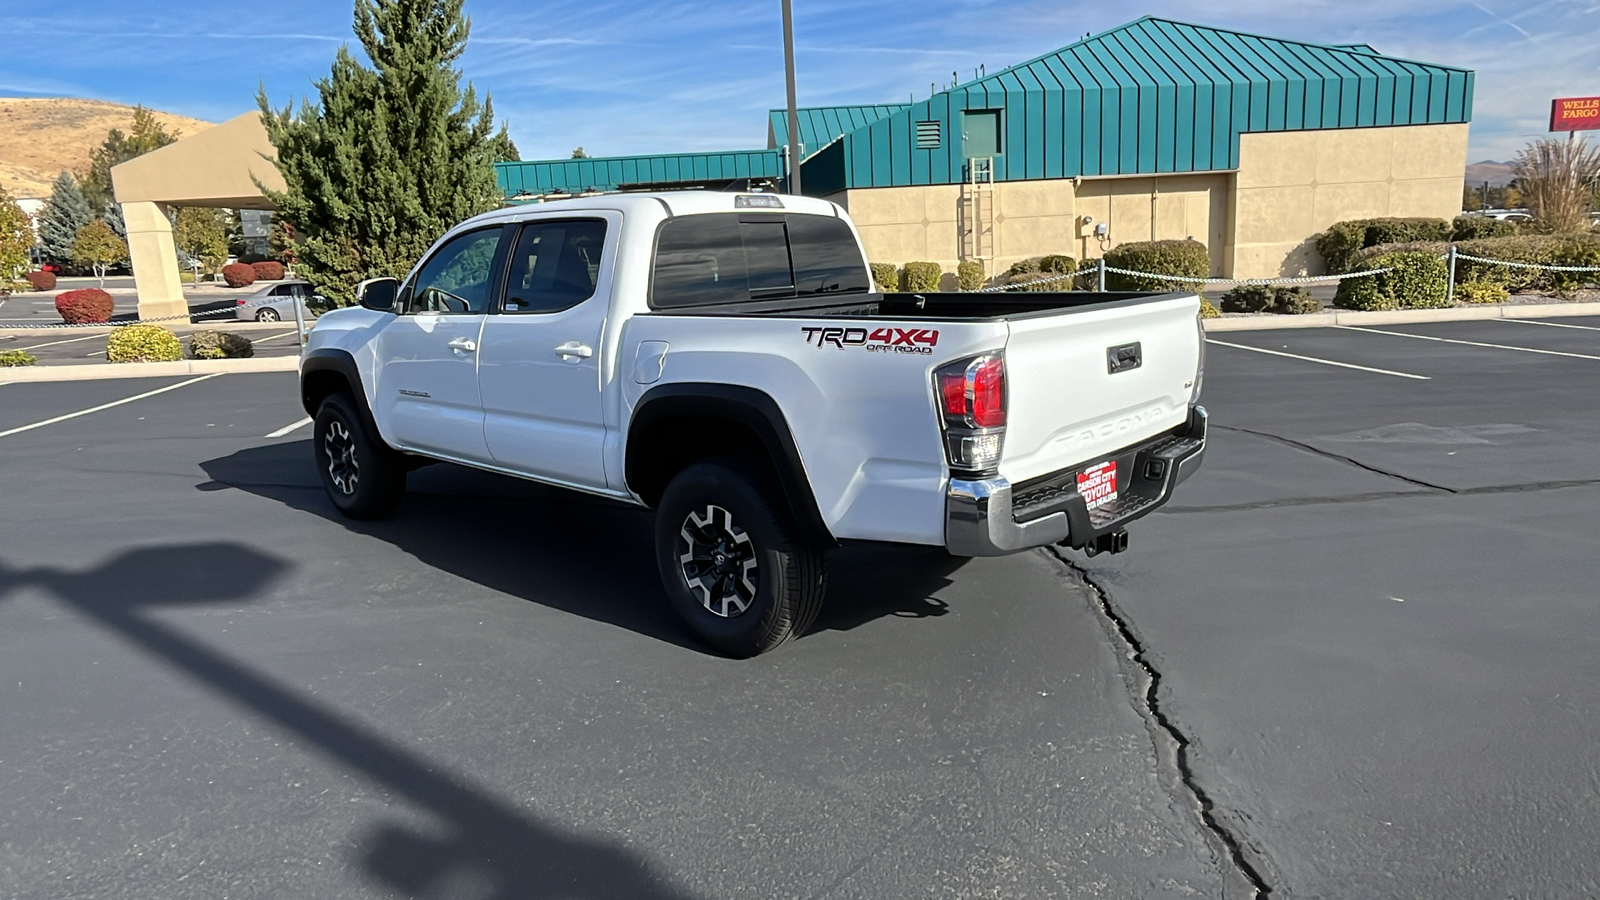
[704, 260]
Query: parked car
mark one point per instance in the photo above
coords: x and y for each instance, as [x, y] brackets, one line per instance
[276, 302]
[722, 359]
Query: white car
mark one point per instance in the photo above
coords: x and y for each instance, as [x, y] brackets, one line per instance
[275, 303]
[721, 358]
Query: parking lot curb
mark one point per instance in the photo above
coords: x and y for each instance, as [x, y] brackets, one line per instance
[1401, 316]
[97, 371]
[198, 325]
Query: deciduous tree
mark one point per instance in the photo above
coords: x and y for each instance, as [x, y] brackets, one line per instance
[16, 239]
[99, 248]
[198, 232]
[145, 135]
[389, 157]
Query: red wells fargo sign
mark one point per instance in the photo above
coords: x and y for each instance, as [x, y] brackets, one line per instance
[1574, 113]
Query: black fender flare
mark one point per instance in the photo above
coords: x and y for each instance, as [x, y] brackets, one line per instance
[748, 406]
[332, 359]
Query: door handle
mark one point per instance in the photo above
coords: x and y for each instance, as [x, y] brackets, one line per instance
[463, 345]
[573, 348]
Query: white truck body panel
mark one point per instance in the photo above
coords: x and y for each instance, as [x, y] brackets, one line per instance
[866, 423]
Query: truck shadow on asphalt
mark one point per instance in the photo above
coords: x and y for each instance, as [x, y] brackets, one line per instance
[480, 847]
[582, 555]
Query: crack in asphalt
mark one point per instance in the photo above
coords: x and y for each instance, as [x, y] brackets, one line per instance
[1231, 843]
[1300, 445]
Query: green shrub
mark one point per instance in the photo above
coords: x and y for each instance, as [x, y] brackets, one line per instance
[16, 358]
[1207, 311]
[1480, 292]
[886, 277]
[1343, 240]
[1171, 257]
[969, 274]
[1539, 249]
[219, 345]
[143, 343]
[920, 277]
[1262, 298]
[1415, 280]
[1248, 298]
[1471, 228]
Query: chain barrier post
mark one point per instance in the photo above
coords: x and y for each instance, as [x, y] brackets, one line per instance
[300, 319]
[1450, 276]
[1100, 274]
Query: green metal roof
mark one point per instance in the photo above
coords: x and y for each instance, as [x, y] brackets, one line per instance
[573, 176]
[1151, 96]
[821, 125]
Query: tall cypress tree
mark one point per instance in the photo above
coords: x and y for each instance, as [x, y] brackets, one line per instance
[64, 213]
[390, 157]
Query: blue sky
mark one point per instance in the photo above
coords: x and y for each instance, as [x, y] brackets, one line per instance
[647, 76]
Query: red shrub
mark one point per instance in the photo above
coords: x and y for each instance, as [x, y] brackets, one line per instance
[86, 305]
[238, 275]
[268, 271]
[42, 281]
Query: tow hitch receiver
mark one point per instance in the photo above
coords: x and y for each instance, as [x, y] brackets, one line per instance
[1115, 542]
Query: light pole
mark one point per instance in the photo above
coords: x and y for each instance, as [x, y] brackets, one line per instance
[794, 117]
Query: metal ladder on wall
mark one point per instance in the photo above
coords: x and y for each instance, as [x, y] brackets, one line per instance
[976, 213]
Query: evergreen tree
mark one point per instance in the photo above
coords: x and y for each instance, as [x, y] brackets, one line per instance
[16, 239]
[64, 213]
[146, 134]
[390, 157]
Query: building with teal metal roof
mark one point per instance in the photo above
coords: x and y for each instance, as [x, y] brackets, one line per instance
[1156, 128]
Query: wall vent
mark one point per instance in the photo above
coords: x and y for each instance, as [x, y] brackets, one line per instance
[928, 135]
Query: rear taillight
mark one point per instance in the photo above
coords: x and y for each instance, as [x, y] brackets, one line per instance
[240, 302]
[972, 404]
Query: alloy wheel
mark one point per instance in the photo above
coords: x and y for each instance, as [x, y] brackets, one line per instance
[340, 448]
[718, 561]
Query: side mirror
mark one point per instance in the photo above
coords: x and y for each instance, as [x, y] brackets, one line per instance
[378, 293]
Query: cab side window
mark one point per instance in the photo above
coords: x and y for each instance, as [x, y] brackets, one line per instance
[554, 265]
[458, 277]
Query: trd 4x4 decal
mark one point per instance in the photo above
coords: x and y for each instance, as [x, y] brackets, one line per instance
[876, 340]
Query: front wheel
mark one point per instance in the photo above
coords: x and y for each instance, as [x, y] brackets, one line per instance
[734, 567]
[364, 478]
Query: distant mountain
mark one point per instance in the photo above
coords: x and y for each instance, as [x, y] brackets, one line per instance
[41, 137]
[1498, 174]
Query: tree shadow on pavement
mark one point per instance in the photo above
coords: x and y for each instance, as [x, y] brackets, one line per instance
[583, 555]
[482, 847]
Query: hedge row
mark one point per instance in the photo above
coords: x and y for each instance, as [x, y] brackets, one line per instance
[1173, 257]
[1538, 249]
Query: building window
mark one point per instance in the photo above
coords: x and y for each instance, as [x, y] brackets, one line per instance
[927, 135]
[980, 131]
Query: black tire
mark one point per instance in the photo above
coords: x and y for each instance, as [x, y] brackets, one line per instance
[267, 315]
[364, 478]
[746, 551]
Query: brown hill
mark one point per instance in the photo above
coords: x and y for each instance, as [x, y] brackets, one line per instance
[40, 137]
[1498, 174]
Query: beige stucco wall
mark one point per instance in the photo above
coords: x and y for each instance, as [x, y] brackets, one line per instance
[1292, 185]
[1258, 222]
[1036, 218]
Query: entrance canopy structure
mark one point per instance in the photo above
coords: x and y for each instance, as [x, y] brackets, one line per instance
[224, 167]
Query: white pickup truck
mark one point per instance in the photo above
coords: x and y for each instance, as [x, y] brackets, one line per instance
[724, 359]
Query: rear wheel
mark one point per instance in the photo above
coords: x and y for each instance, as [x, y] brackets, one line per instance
[364, 478]
[267, 315]
[733, 565]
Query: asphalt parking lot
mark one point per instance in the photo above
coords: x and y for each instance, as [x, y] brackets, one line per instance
[1355, 657]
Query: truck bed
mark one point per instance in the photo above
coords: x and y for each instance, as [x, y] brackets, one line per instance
[932, 306]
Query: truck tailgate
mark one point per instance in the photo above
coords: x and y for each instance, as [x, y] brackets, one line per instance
[1085, 382]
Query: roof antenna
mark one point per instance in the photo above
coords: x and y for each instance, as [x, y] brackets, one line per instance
[984, 68]
[954, 78]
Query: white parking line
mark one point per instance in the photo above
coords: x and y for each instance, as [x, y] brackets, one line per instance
[1548, 324]
[290, 427]
[1326, 362]
[95, 409]
[67, 341]
[1429, 337]
[274, 337]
